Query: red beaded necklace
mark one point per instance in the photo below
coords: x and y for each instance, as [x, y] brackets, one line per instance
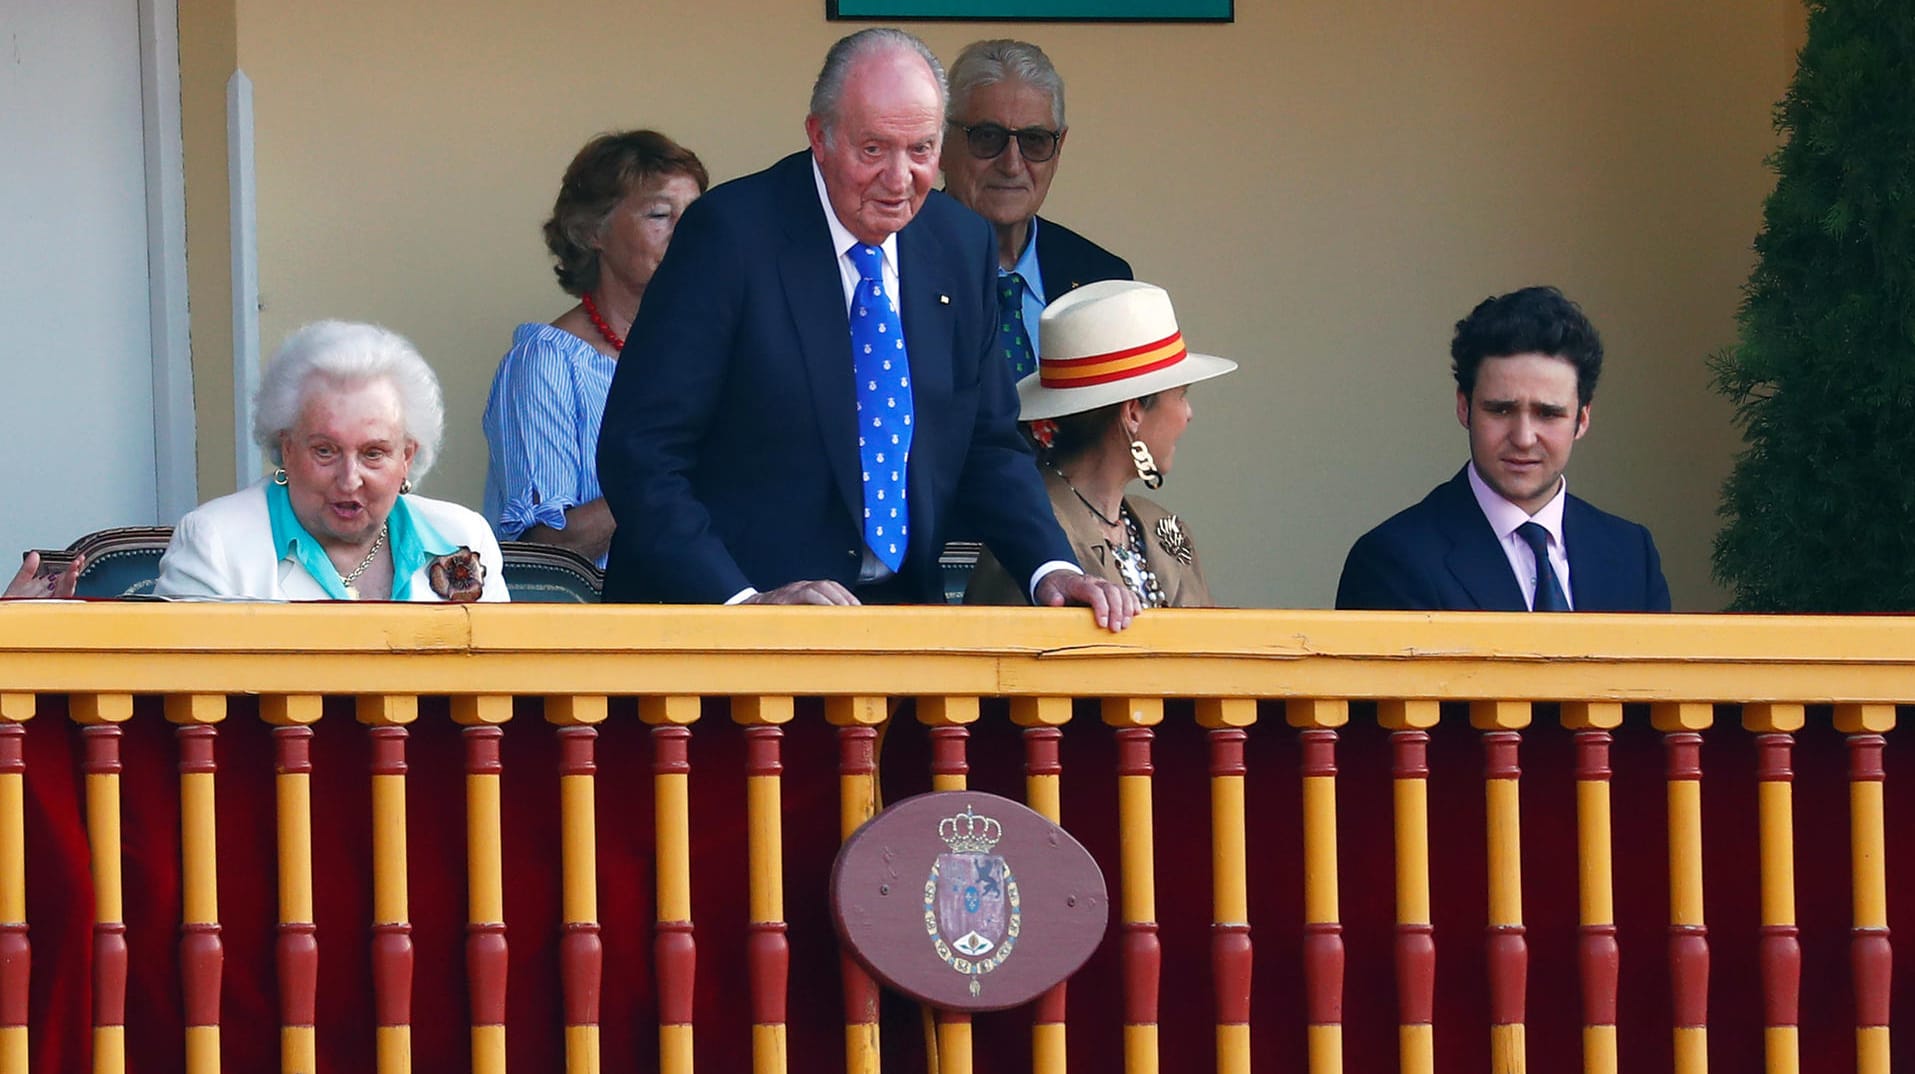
[598, 321]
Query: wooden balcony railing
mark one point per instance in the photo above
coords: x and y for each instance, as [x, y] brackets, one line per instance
[352, 838]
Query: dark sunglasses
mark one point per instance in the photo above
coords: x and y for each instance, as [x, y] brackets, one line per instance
[987, 140]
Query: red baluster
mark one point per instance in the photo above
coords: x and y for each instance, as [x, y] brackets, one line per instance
[1415, 936]
[1230, 948]
[392, 954]
[768, 952]
[1508, 947]
[857, 773]
[102, 768]
[296, 951]
[1322, 927]
[485, 944]
[1870, 956]
[201, 956]
[581, 952]
[16, 953]
[1688, 934]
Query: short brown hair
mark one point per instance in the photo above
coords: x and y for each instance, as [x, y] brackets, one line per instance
[608, 168]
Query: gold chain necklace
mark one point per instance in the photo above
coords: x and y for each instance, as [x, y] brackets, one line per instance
[347, 580]
[1089, 506]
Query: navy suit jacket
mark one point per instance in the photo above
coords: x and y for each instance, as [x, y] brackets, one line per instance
[1442, 555]
[1068, 260]
[729, 449]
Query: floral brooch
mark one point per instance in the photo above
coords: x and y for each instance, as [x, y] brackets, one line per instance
[1171, 537]
[458, 577]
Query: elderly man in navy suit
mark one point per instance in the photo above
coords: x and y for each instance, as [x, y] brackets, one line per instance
[1006, 138]
[1504, 534]
[808, 397]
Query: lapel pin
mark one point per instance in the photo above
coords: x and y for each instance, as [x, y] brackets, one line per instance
[944, 300]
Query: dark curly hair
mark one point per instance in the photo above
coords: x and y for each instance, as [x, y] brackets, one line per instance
[608, 168]
[1534, 320]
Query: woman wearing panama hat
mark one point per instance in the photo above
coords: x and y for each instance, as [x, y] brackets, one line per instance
[1105, 408]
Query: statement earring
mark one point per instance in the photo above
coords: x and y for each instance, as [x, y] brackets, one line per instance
[279, 475]
[1146, 466]
[405, 486]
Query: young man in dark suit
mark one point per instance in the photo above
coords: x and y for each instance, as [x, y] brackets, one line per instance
[807, 396]
[1504, 534]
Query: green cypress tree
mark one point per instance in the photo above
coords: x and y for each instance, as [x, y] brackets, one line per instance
[1820, 509]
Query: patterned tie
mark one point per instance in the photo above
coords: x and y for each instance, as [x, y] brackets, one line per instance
[884, 407]
[1011, 336]
[1549, 592]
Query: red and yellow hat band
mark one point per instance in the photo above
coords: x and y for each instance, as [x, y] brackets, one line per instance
[1117, 365]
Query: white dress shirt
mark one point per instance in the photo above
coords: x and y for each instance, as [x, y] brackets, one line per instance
[1505, 517]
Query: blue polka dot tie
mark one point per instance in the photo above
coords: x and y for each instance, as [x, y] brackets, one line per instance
[1012, 338]
[884, 407]
[1549, 592]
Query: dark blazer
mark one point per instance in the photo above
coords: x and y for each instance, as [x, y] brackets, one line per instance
[729, 450]
[1069, 260]
[1442, 555]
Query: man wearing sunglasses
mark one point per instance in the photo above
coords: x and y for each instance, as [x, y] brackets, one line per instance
[1001, 149]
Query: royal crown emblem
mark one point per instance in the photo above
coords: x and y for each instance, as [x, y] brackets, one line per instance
[972, 911]
[969, 833]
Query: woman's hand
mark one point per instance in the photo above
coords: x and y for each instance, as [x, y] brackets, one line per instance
[28, 583]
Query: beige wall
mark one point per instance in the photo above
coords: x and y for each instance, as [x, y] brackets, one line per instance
[209, 50]
[1325, 187]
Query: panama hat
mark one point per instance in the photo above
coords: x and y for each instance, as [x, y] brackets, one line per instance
[1106, 343]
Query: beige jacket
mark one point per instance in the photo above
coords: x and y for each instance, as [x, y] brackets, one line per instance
[1183, 583]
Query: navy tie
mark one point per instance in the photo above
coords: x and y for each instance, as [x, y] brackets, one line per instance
[1549, 592]
[1011, 335]
[884, 407]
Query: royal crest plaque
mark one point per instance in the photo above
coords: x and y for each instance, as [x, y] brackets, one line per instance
[968, 901]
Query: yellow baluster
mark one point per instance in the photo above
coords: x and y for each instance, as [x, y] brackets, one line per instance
[15, 949]
[1599, 957]
[486, 953]
[1143, 952]
[948, 718]
[857, 720]
[1781, 951]
[1415, 935]
[1502, 723]
[200, 952]
[102, 714]
[581, 951]
[769, 951]
[674, 948]
[1869, 950]
[1322, 920]
[296, 949]
[1230, 949]
[1041, 717]
[392, 953]
[1680, 722]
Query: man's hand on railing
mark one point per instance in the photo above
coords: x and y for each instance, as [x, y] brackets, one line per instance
[820, 592]
[26, 583]
[1113, 605]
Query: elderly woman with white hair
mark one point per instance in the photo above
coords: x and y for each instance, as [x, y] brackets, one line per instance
[352, 416]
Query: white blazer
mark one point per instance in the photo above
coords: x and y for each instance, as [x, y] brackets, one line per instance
[224, 549]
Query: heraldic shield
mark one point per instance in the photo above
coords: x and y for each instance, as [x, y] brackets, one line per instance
[1007, 903]
[971, 903]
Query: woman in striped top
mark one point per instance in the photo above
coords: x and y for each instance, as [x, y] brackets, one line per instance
[620, 199]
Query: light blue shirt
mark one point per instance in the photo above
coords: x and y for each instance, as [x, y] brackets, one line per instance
[411, 540]
[1034, 302]
[541, 430]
